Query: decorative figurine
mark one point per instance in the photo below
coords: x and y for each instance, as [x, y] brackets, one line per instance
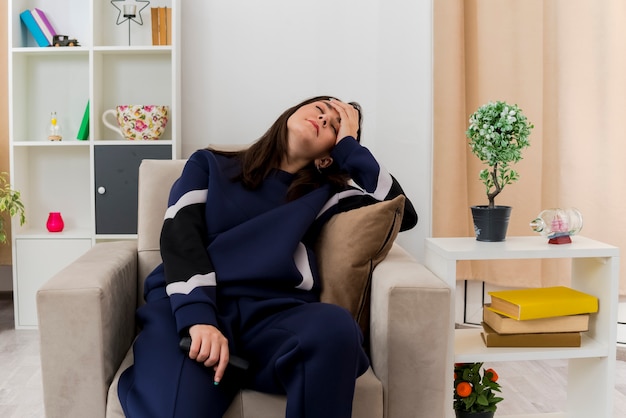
[63, 40]
[558, 225]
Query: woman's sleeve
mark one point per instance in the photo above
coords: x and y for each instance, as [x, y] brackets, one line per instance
[189, 273]
[373, 180]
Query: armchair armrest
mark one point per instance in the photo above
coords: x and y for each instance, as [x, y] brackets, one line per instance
[86, 325]
[409, 336]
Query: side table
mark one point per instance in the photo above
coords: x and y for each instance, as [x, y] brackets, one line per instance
[595, 270]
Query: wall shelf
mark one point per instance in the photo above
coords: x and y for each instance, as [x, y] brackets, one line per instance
[66, 176]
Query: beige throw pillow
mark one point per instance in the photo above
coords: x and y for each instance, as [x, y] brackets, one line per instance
[350, 245]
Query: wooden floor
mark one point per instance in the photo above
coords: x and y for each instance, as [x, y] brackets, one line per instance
[527, 387]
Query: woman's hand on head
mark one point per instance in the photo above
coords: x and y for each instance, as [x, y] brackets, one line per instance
[209, 346]
[349, 125]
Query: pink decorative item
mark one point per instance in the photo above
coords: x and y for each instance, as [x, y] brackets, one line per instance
[55, 222]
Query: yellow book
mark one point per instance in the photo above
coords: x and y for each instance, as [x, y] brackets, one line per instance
[543, 302]
[505, 325]
[548, 339]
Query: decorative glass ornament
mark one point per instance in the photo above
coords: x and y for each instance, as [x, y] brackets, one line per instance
[54, 129]
[558, 225]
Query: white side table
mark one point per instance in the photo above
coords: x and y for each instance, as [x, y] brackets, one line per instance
[595, 270]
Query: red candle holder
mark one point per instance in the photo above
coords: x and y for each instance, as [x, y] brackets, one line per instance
[55, 222]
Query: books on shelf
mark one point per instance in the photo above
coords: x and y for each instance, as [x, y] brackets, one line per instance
[161, 25]
[505, 325]
[549, 339]
[544, 302]
[537, 317]
[168, 26]
[154, 15]
[44, 24]
[33, 28]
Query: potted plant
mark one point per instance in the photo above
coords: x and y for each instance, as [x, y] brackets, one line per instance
[10, 203]
[474, 395]
[497, 133]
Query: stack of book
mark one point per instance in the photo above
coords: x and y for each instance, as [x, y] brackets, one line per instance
[537, 317]
[39, 26]
[161, 25]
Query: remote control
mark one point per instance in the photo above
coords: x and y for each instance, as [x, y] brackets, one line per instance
[238, 362]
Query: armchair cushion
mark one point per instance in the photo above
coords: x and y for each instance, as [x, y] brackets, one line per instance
[350, 245]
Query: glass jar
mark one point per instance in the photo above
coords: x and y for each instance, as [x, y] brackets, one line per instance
[558, 225]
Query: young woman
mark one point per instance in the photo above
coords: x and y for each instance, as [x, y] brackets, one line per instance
[240, 278]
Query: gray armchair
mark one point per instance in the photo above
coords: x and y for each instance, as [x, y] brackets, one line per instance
[87, 326]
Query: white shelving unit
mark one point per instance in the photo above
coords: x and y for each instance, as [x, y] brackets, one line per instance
[62, 176]
[591, 367]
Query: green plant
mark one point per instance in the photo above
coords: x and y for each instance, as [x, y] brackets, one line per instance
[11, 203]
[498, 132]
[473, 392]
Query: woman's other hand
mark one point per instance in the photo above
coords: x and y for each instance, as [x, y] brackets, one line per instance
[349, 119]
[209, 346]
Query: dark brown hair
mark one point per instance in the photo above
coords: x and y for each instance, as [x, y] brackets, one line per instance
[267, 152]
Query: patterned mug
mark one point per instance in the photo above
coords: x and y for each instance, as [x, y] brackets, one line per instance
[138, 121]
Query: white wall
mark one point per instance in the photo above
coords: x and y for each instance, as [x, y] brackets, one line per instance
[245, 61]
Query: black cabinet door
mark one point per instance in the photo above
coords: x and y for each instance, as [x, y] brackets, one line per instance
[116, 175]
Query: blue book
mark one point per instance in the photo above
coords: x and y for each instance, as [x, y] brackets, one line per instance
[34, 28]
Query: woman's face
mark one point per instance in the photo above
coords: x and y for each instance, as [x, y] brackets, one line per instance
[312, 130]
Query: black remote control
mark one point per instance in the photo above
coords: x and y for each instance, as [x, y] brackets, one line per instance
[238, 362]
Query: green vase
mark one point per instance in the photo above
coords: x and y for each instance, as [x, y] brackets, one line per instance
[465, 414]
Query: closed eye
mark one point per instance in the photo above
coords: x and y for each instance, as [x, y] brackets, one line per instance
[335, 129]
